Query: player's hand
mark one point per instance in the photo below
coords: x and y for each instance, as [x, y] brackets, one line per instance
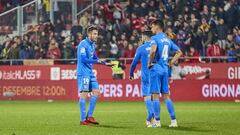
[150, 66]
[101, 62]
[101, 59]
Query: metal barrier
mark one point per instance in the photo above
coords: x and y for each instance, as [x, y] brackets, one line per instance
[196, 60]
[90, 5]
[9, 22]
[220, 59]
[19, 20]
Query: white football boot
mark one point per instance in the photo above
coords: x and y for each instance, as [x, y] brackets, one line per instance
[156, 123]
[149, 124]
[173, 123]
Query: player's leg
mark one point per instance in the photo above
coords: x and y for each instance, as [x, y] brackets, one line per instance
[168, 101]
[156, 109]
[149, 106]
[83, 87]
[148, 101]
[155, 86]
[82, 105]
[93, 99]
[171, 111]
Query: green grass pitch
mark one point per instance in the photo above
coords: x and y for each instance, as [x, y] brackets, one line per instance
[117, 118]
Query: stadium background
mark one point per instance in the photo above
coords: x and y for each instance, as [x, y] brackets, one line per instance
[38, 40]
[47, 33]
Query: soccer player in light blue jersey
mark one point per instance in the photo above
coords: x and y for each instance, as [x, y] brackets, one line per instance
[158, 65]
[87, 82]
[142, 55]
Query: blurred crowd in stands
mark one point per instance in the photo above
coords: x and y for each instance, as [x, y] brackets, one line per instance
[198, 27]
[9, 4]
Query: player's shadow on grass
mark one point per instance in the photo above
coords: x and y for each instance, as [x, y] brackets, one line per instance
[190, 129]
[111, 126]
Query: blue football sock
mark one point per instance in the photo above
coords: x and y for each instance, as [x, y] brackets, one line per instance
[82, 105]
[170, 108]
[92, 104]
[156, 108]
[149, 106]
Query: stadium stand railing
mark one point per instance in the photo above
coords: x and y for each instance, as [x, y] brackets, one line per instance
[216, 59]
[18, 20]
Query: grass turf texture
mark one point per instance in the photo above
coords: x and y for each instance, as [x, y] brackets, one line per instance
[116, 118]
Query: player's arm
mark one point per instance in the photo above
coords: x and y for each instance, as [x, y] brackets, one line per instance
[178, 53]
[82, 52]
[152, 53]
[85, 59]
[134, 64]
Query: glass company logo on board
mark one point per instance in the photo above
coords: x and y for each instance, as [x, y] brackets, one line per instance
[56, 73]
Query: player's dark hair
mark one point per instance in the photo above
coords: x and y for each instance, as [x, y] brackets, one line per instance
[91, 28]
[159, 23]
[147, 33]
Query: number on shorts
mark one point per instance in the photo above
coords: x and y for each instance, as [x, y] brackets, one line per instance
[86, 80]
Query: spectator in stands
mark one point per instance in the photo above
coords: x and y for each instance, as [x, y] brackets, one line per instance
[1, 47]
[59, 26]
[123, 43]
[206, 36]
[53, 50]
[117, 12]
[142, 9]
[117, 28]
[170, 33]
[46, 4]
[214, 50]
[43, 41]
[2, 7]
[14, 52]
[237, 35]
[231, 10]
[67, 52]
[188, 41]
[229, 41]
[84, 20]
[181, 36]
[5, 52]
[107, 12]
[76, 28]
[231, 53]
[222, 33]
[26, 41]
[26, 52]
[129, 53]
[18, 40]
[16, 2]
[38, 52]
[237, 48]
[102, 47]
[137, 22]
[193, 53]
[114, 53]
